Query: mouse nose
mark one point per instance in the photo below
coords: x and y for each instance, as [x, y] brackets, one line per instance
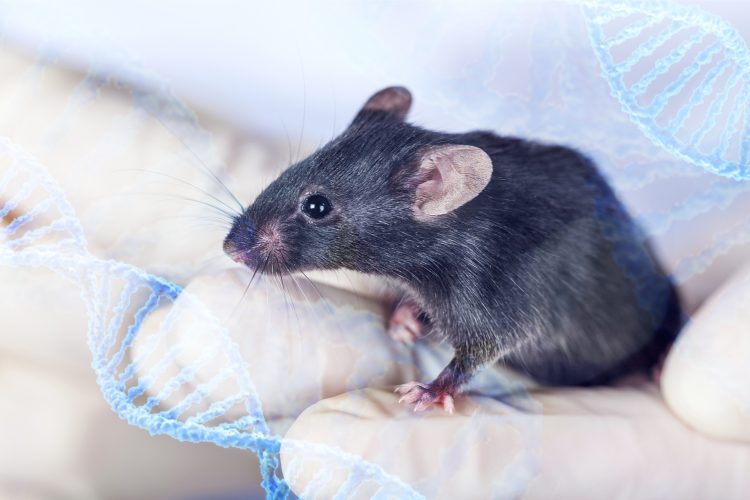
[230, 248]
[240, 240]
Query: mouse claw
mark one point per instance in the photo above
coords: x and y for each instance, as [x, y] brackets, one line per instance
[409, 392]
[404, 325]
[423, 397]
[402, 334]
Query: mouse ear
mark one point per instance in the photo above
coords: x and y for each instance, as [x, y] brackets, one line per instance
[394, 101]
[450, 176]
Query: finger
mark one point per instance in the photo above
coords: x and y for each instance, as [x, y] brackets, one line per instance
[365, 285]
[584, 444]
[324, 347]
[705, 376]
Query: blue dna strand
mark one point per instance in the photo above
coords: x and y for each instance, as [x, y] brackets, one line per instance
[681, 74]
[137, 365]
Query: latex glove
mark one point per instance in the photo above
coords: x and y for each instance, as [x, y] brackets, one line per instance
[563, 443]
[585, 443]
[705, 379]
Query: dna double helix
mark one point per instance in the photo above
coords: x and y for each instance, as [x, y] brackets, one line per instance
[137, 366]
[681, 74]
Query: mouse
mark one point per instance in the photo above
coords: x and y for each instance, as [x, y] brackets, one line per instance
[511, 250]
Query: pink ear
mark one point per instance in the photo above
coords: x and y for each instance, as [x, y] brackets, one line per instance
[453, 175]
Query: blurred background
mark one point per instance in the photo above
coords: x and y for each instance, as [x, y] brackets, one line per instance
[268, 83]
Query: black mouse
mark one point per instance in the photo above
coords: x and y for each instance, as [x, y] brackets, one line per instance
[513, 251]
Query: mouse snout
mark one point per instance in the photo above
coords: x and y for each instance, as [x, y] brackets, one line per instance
[231, 249]
[239, 243]
[261, 247]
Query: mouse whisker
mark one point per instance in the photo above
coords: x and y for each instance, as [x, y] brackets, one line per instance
[348, 278]
[182, 181]
[308, 302]
[314, 286]
[208, 264]
[247, 288]
[304, 105]
[330, 308]
[230, 216]
[303, 295]
[288, 143]
[288, 299]
[200, 161]
[205, 220]
[278, 287]
[333, 129]
[242, 299]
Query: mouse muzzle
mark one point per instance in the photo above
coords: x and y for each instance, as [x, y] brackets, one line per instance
[240, 243]
[231, 249]
[261, 249]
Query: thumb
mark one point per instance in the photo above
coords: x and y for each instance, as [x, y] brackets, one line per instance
[579, 443]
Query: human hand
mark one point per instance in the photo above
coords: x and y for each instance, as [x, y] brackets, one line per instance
[325, 369]
[578, 443]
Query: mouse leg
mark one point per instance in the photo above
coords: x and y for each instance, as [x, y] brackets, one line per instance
[441, 391]
[407, 322]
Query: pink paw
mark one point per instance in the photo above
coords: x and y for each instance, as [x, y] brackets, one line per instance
[422, 396]
[404, 326]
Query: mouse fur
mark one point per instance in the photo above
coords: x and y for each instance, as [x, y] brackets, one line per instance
[541, 269]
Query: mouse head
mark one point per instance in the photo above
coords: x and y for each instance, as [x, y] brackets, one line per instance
[367, 199]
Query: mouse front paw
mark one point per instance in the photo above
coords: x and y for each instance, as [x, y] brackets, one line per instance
[424, 396]
[405, 325]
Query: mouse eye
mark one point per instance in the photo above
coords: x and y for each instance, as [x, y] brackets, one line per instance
[316, 206]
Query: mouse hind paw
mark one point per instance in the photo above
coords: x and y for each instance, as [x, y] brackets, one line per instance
[424, 396]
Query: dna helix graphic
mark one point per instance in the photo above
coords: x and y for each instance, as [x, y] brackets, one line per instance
[137, 382]
[681, 74]
[698, 64]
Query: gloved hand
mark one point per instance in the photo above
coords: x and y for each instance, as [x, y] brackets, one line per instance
[325, 369]
[576, 443]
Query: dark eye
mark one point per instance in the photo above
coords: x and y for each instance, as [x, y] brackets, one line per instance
[316, 206]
